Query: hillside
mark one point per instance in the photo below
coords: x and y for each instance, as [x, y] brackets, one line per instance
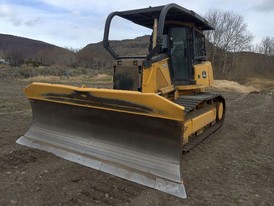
[240, 66]
[29, 46]
[236, 66]
[95, 56]
[17, 49]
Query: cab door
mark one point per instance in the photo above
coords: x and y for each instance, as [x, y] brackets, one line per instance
[181, 55]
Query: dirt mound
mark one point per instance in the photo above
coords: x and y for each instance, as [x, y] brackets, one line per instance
[262, 84]
[233, 86]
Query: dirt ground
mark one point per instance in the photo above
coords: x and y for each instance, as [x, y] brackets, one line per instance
[234, 166]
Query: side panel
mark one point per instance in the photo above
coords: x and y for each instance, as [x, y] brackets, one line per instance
[156, 77]
[203, 74]
[197, 123]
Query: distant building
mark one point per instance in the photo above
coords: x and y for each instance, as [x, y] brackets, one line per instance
[3, 61]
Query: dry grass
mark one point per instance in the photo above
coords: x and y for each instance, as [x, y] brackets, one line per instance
[261, 84]
[97, 78]
[102, 76]
[234, 86]
[97, 81]
[52, 79]
[250, 85]
[46, 73]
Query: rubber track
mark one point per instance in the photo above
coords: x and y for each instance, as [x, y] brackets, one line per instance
[190, 102]
[201, 137]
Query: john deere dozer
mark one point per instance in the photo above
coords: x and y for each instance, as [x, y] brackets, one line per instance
[157, 109]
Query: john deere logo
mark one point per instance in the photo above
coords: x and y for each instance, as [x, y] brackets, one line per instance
[204, 74]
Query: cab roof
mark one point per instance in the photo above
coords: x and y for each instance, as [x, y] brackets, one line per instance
[145, 17]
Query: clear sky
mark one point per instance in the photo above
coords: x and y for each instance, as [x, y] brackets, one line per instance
[76, 23]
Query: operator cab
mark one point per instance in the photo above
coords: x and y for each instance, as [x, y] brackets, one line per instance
[187, 47]
[177, 35]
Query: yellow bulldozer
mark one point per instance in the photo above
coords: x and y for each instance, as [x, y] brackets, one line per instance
[158, 107]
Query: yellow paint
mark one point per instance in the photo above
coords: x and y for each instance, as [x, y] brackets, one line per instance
[220, 110]
[193, 125]
[156, 77]
[160, 106]
[203, 74]
[156, 80]
[203, 77]
[190, 87]
[167, 89]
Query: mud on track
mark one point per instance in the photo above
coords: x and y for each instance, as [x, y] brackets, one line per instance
[234, 166]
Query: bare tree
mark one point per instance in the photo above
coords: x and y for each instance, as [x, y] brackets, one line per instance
[230, 34]
[15, 57]
[266, 46]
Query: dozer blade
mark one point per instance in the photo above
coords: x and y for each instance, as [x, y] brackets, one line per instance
[132, 135]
